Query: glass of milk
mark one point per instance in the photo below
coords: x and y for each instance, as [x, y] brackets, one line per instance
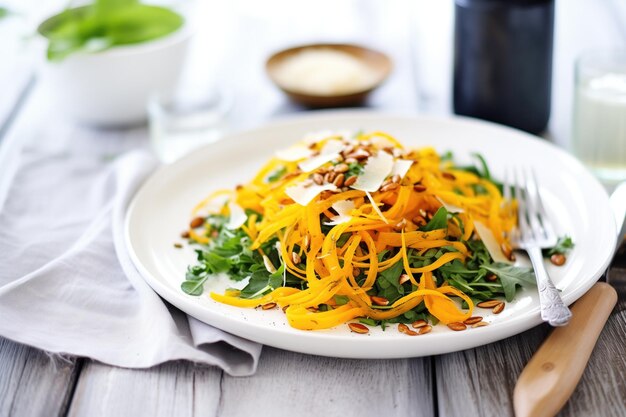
[599, 125]
[193, 118]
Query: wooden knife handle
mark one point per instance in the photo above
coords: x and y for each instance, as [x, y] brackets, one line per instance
[551, 375]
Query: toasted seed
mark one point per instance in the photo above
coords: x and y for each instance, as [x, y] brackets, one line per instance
[379, 301]
[473, 320]
[339, 180]
[480, 324]
[307, 183]
[403, 278]
[185, 234]
[419, 188]
[403, 328]
[498, 309]
[448, 176]
[285, 308]
[312, 309]
[295, 258]
[488, 303]
[268, 265]
[425, 329]
[347, 150]
[305, 241]
[396, 179]
[400, 225]
[419, 323]
[356, 272]
[350, 181]
[358, 328]
[419, 220]
[350, 160]
[330, 176]
[558, 259]
[339, 168]
[389, 187]
[359, 154]
[318, 178]
[268, 306]
[457, 326]
[178, 245]
[491, 277]
[326, 194]
[506, 249]
[397, 152]
[196, 222]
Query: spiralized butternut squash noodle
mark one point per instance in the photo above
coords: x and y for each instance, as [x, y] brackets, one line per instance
[346, 227]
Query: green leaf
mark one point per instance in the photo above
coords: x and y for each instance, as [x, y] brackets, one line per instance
[276, 175]
[194, 287]
[4, 12]
[105, 24]
[510, 276]
[563, 246]
[438, 221]
[369, 322]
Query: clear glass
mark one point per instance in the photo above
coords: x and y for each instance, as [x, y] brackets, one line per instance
[599, 123]
[187, 121]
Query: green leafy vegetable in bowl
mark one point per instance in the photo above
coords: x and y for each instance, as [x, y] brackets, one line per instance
[105, 24]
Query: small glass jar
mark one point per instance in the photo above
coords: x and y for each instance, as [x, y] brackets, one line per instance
[189, 120]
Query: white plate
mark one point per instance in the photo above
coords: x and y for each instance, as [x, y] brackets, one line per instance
[577, 203]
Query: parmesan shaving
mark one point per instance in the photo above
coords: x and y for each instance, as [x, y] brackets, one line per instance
[304, 195]
[293, 154]
[491, 243]
[450, 207]
[375, 207]
[376, 169]
[329, 152]
[237, 216]
[401, 167]
[343, 209]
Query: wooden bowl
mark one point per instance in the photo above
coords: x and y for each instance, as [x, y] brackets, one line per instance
[376, 61]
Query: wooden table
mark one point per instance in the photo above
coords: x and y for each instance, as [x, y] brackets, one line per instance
[234, 40]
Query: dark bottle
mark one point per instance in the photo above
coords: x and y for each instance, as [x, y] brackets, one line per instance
[503, 61]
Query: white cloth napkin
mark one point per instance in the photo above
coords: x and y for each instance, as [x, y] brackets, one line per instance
[67, 284]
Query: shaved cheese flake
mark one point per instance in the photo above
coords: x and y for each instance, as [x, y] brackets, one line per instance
[375, 207]
[333, 146]
[450, 207]
[314, 163]
[237, 216]
[293, 154]
[343, 209]
[304, 195]
[486, 235]
[377, 168]
[401, 167]
[314, 137]
[381, 141]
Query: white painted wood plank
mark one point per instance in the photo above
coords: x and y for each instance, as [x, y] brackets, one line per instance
[289, 384]
[173, 389]
[33, 384]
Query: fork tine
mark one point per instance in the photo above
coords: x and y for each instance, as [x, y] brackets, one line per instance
[522, 220]
[533, 207]
[541, 210]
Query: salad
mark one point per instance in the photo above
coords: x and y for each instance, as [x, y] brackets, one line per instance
[356, 229]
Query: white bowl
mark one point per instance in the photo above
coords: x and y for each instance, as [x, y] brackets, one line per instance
[112, 87]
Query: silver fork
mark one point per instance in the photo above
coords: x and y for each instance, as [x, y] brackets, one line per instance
[533, 233]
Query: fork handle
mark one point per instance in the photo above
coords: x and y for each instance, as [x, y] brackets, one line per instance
[552, 308]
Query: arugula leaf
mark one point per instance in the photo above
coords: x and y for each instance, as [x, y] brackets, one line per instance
[563, 245]
[276, 175]
[388, 284]
[438, 221]
[510, 276]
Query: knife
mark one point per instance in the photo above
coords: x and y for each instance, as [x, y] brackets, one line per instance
[551, 375]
